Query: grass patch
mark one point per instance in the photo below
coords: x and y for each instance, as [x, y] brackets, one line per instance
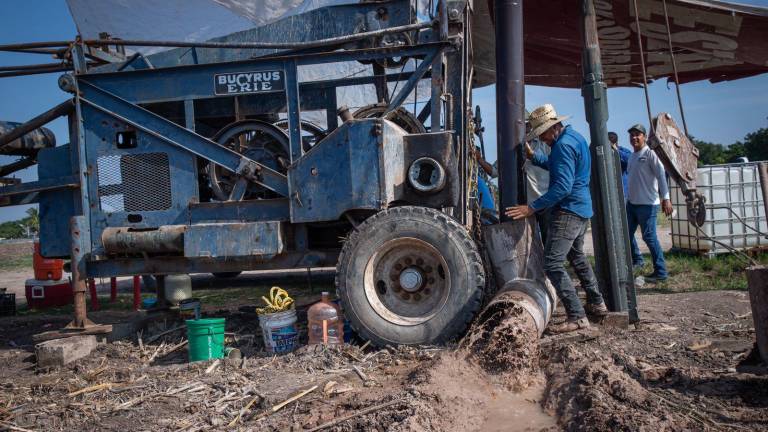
[690, 273]
[16, 262]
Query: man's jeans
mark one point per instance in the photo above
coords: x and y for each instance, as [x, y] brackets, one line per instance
[542, 218]
[565, 239]
[645, 217]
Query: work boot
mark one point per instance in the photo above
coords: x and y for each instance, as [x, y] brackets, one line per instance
[654, 278]
[570, 325]
[598, 310]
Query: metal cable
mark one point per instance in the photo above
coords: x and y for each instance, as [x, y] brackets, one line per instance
[262, 45]
[642, 64]
[732, 249]
[740, 220]
[674, 69]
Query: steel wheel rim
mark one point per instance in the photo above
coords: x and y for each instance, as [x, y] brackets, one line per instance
[276, 145]
[412, 306]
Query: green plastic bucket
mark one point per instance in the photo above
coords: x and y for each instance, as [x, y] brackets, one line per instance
[206, 339]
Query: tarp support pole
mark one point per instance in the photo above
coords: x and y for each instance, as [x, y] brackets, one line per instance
[613, 262]
[510, 102]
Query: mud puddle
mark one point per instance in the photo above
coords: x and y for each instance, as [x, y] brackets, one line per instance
[492, 382]
[518, 412]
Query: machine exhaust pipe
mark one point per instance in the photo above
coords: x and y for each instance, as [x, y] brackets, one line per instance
[124, 240]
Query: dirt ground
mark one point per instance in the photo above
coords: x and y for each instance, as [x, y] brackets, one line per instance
[688, 365]
[685, 367]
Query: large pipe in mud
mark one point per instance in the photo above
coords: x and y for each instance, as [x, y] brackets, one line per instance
[517, 256]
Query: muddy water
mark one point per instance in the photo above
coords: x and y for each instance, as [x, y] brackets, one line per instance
[516, 412]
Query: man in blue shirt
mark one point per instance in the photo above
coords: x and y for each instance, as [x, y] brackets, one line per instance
[568, 196]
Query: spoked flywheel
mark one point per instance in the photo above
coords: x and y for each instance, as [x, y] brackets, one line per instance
[400, 116]
[259, 141]
[311, 133]
[410, 275]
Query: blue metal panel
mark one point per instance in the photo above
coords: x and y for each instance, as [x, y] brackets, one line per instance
[240, 211]
[254, 239]
[56, 207]
[347, 170]
[146, 185]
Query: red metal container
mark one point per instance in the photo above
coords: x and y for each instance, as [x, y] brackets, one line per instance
[43, 294]
[45, 268]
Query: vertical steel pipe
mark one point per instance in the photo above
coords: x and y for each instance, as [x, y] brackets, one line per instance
[136, 292]
[510, 101]
[762, 169]
[609, 224]
[77, 265]
[94, 295]
[112, 289]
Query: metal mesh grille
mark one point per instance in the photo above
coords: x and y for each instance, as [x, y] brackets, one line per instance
[134, 182]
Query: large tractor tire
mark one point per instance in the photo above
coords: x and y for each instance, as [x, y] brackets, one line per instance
[410, 275]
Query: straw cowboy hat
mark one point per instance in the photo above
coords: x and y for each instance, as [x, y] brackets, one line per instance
[543, 118]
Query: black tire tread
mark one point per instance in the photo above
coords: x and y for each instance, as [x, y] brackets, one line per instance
[451, 228]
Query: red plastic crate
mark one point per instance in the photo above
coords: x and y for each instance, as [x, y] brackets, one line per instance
[43, 294]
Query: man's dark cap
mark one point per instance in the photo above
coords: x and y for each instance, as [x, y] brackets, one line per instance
[638, 127]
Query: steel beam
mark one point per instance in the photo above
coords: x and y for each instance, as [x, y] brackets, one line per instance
[40, 185]
[510, 101]
[59, 110]
[613, 263]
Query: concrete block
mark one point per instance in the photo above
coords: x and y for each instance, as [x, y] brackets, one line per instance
[58, 352]
[618, 320]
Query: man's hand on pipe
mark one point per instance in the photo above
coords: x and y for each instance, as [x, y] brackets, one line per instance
[528, 151]
[519, 212]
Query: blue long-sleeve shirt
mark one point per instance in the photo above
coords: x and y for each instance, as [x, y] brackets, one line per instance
[624, 154]
[569, 166]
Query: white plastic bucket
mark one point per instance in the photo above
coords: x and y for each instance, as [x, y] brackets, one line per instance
[279, 331]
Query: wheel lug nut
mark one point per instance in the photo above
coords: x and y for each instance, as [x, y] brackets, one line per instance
[420, 262]
[431, 281]
[408, 261]
[427, 291]
[398, 266]
[428, 269]
[417, 296]
[405, 295]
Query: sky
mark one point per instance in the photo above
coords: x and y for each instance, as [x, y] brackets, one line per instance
[722, 113]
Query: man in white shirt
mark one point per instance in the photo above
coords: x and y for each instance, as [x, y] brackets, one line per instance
[647, 181]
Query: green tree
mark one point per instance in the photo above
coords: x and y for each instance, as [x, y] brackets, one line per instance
[32, 220]
[709, 153]
[735, 150]
[756, 145]
[11, 229]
